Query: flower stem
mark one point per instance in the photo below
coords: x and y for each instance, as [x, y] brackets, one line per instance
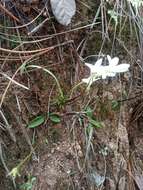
[50, 73]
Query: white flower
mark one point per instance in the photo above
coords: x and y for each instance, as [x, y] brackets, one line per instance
[99, 71]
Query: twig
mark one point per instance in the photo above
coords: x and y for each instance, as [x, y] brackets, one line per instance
[9, 13]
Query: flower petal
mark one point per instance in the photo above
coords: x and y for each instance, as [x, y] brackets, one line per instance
[111, 74]
[120, 68]
[98, 62]
[109, 58]
[93, 68]
[104, 76]
[90, 66]
[114, 61]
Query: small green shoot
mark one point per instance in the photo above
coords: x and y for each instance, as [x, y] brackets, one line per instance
[15, 172]
[89, 112]
[46, 141]
[29, 184]
[39, 20]
[60, 101]
[13, 41]
[92, 120]
[95, 123]
[115, 105]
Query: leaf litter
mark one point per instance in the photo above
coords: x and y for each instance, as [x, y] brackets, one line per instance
[114, 154]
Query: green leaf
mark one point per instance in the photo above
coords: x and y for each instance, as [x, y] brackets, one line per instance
[54, 118]
[29, 184]
[88, 129]
[89, 112]
[23, 68]
[95, 123]
[115, 105]
[36, 121]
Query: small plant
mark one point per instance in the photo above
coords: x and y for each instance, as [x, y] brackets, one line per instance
[29, 184]
[15, 172]
[115, 105]
[13, 41]
[39, 120]
[92, 120]
[61, 100]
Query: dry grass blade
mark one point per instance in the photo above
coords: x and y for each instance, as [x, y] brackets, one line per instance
[13, 81]
[9, 13]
